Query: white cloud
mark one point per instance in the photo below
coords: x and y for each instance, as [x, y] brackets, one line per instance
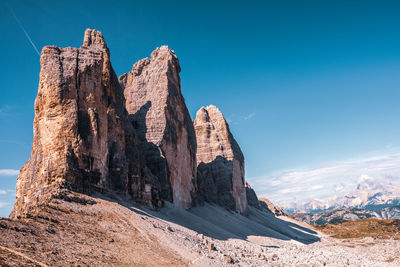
[5, 192]
[237, 118]
[331, 180]
[3, 204]
[8, 172]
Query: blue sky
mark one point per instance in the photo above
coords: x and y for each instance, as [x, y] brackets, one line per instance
[304, 84]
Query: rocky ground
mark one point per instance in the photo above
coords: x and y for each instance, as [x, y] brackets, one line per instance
[77, 230]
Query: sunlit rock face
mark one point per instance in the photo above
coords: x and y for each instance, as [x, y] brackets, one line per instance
[83, 138]
[158, 111]
[220, 161]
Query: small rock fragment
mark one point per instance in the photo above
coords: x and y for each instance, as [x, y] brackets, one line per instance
[210, 246]
[275, 257]
[228, 259]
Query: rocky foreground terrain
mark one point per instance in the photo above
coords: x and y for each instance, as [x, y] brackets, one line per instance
[119, 175]
[80, 230]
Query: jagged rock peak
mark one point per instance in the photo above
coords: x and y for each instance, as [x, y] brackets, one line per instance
[163, 52]
[224, 144]
[93, 39]
[83, 138]
[220, 161]
[157, 108]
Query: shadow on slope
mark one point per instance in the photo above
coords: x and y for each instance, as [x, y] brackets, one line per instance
[209, 219]
[219, 223]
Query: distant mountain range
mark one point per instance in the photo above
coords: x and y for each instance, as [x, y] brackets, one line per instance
[334, 216]
[382, 200]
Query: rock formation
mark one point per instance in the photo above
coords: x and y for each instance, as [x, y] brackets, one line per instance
[132, 135]
[158, 111]
[252, 199]
[261, 203]
[220, 161]
[82, 135]
[267, 205]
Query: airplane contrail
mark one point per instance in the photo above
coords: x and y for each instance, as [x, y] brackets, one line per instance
[25, 32]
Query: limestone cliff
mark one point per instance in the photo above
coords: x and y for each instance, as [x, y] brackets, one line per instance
[157, 109]
[220, 161]
[82, 135]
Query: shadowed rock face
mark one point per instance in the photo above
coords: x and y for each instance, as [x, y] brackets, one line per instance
[252, 199]
[82, 134]
[267, 205]
[261, 203]
[220, 161]
[157, 110]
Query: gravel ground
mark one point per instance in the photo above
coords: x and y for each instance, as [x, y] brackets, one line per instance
[271, 241]
[118, 233]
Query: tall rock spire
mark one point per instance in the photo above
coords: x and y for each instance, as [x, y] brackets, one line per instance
[220, 161]
[82, 135]
[94, 39]
[157, 109]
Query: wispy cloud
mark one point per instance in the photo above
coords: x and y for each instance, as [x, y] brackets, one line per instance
[8, 172]
[5, 192]
[249, 116]
[237, 118]
[4, 204]
[331, 180]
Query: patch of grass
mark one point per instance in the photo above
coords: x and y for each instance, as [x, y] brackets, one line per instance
[375, 228]
[391, 259]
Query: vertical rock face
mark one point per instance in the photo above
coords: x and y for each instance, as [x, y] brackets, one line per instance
[82, 134]
[252, 198]
[157, 110]
[220, 161]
